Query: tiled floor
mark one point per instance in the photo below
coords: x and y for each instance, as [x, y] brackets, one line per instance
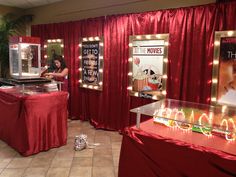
[101, 161]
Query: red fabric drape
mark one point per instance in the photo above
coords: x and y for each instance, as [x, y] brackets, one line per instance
[156, 150]
[191, 35]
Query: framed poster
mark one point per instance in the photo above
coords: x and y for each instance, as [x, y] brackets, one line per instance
[52, 47]
[91, 63]
[148, 65]
[224, 69]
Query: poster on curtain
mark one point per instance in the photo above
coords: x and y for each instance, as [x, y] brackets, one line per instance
[91, 63]
[148, 67]
[227, 71]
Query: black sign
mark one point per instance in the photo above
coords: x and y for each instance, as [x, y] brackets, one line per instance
[90, 62]
[228, 48]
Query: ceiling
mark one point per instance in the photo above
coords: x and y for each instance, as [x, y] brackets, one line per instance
[25, 4]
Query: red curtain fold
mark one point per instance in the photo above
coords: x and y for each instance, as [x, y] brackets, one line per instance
[83, 102]
[191, 36]
[114, 104]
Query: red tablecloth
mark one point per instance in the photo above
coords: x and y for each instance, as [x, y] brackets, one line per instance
[33, 123]
[159, 151]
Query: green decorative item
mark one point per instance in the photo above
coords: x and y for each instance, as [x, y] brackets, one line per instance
[10, 25]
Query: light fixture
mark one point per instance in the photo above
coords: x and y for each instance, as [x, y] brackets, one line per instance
[223, 109]
[130, 74]
[216, 62]
[217, 43]
[230, 33]
[90, 38]
[164, 92]
[213, 99]
[164, 76]
[214, 81]
[129, 88]
[154, 97]
[97, 38]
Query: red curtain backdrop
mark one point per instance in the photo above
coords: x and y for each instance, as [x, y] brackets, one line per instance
[191, 36]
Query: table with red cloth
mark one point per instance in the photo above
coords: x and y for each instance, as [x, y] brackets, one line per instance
[31, 123]
[158, 151]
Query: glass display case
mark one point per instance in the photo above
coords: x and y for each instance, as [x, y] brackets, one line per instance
[24, 56]
[187, 116]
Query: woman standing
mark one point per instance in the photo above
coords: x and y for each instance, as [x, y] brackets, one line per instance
[60, 73]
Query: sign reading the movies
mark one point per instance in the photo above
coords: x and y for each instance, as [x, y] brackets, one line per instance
[148, 65]
[90, 62]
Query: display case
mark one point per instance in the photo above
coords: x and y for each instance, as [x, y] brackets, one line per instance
[24, 56]
[187, 116]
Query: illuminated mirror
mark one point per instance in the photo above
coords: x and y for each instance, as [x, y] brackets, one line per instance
[224, 69]
[52, 47]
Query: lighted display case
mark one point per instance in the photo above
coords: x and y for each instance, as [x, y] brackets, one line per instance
[24, 56]
[187, 116]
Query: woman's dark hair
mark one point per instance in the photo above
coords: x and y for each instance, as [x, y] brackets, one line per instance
[61, 60]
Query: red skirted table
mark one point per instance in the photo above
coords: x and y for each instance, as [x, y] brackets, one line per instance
[158, 151]
[33, 122]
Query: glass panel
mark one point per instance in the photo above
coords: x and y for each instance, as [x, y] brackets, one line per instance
[206, 119]
[25, 60]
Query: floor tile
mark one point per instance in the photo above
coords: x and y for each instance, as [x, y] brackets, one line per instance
[82, 162]
[20, 162]
[40, 163]
[84, 153]
[103, 172]
[58, 172]
[65, 154]
[61, 163]
[35, 172]
[5, 162]
[81, 172]
[12, 172]
[7, 152]
[102, 152]
[103, 161]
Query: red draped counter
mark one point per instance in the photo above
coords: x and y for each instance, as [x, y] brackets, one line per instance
[159, 151]
[33, 123]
